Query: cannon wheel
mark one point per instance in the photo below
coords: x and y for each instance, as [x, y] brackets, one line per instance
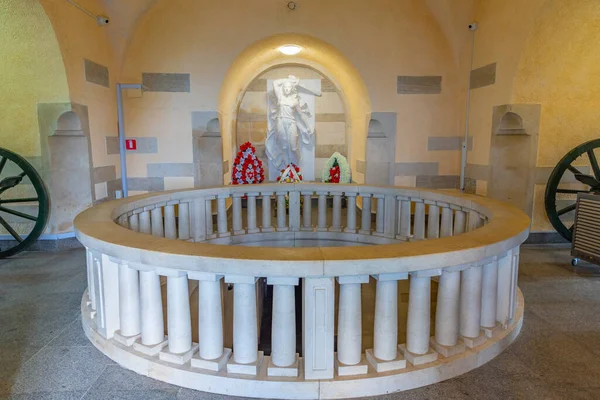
[15, 173]
[586, 153]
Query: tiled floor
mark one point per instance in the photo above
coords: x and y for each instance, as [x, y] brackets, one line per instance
[45, 355]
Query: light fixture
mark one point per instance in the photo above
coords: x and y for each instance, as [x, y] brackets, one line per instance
[290, 49]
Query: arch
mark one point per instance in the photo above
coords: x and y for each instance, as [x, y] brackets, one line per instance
[511, 124]
[213, 126]
[316, 54]
[69, 122]
[375, 128]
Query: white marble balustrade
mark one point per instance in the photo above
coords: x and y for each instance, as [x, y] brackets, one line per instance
[141, 298]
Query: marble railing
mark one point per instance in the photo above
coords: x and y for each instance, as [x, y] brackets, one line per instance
[467, 245]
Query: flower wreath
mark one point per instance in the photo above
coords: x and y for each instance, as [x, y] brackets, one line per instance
[247, 168]
[290, 174]
[336, 170]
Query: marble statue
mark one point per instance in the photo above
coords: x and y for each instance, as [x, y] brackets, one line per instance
[291, 124]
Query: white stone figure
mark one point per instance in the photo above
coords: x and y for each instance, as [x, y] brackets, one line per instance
[291, 124]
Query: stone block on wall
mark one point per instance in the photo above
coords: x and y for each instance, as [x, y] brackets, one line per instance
[416, 168]
[166, 82]
[96, 73]
[483, 76]
[438, 181]
[442, 143]
[105, 174]
[419, 84]
[163, 170]
[145, 145]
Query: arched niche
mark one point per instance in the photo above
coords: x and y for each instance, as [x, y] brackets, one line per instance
[69, 172]
[511, 123]
[213, 127]
[328, 111]
[69, 124]
[375, 129]
[316, 54]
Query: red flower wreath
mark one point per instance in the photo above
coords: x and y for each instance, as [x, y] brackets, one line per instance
[247, 168]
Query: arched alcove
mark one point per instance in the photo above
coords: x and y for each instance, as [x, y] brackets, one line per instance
[511, 124]
[69, 124]
[375, 129]
[213, 126]
[317, 55]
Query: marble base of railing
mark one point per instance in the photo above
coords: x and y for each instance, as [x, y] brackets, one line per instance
[246, 369]
[491, 332]
[418, 359]
[253, 230]
[126, 340]
[348, 370]
[383, 365]
[178, 358]
[341, 387]
[215, 365]
[474, 342]
[290, 371]
[267, 230]
[448, 351]
[151, 350]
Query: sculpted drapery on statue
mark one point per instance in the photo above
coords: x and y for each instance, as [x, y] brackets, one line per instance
[289, 123]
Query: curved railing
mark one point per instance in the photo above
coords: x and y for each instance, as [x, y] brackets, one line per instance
[466, 247]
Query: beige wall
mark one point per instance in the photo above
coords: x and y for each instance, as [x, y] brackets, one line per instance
[31, 71]
[545, 54]
[382, 39]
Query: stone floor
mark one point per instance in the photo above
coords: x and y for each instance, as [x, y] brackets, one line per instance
[45, 355]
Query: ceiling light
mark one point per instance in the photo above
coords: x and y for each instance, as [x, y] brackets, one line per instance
[290, 49]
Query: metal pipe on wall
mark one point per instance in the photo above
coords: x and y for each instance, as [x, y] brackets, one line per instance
[122, 150]
[465, 143]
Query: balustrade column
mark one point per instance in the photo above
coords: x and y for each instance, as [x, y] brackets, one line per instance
[349, 339]
[281, 212]
[505, 299]
[379, 219]
[405, 213]
[184, 221]
[157, 221]
[153, 331]
[145, 224]
[489, 296]
[209, 218]
[179, 321]
[266, 212]
[134, 223]
[252, 227]
[129, 306]
[433, 225]
[91, 275]
[447, 315]
[365, 222]
[459, 221]
[307, 211]
[470, 307]
[222, 216]
[237, 214]
[384, 355]
[336, 223]
[284, 359]
[417, 351]
[351, 213]
[211, 354]
[170, 226]
[419, 228]
[246, 359]
[322, 220]
[446, 228]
